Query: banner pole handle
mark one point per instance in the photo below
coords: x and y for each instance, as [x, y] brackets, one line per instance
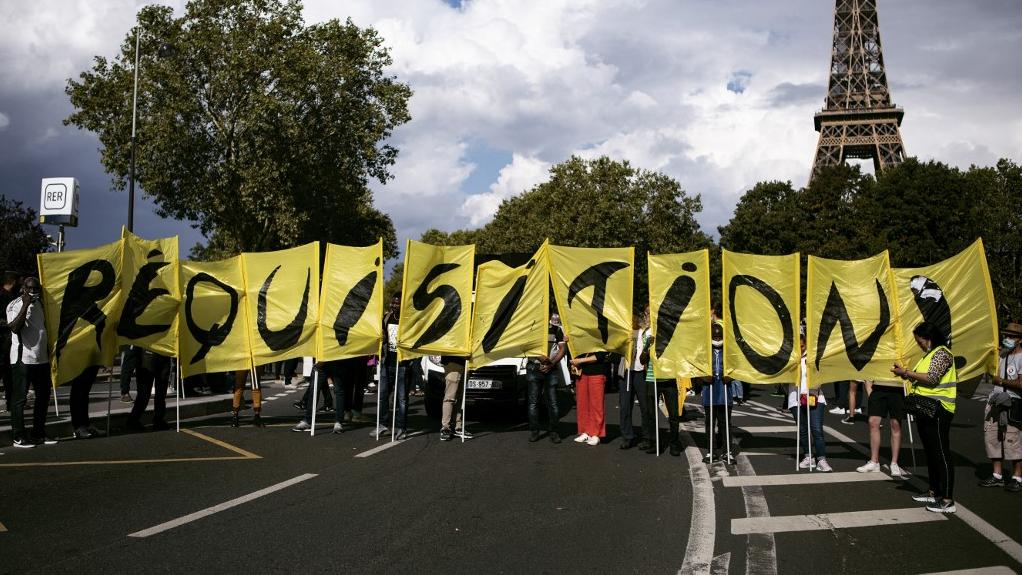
[177, 392]
[911, 440]
[809, 435]
[710, 432]
[727, 420]
[393, 396]
[798, 428]
[464, 400]
[109, 391]
[56, 409]
[656, 416]
[315, 396]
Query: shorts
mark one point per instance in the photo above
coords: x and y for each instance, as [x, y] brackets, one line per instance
[1010, 449]
[886, 402]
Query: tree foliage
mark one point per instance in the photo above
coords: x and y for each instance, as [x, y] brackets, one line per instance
[23, 238]
[264, 131]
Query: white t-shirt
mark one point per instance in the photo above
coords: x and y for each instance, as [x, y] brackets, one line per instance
[392, 337]
[804, 387]
[32, 336]
[640, 338]
[1009, 367]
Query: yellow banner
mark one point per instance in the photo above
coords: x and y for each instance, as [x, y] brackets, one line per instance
[83, 298]
[593, 288]
[957, 297]
[510, 314]
[282, 295]
[351, 304]
[436, 302]
[851, 320]
[761, 317]
[152, 294]
[679, 314]
[214, 333]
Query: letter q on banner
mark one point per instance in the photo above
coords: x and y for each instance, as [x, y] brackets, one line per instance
[214, 331]
[761, 318]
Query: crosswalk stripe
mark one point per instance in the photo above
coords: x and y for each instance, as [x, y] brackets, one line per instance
[768, 428]
[828, 521]
[995, 570]
[803, 478]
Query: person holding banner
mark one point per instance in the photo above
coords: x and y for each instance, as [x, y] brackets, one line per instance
[884, 401]
[454, 373]
[668, 388]
[1001, 437]
[8, 293]
[810, 428]
[240, 377]
[394, 374]
[150, 369]
[935, 378]
[589, 396]
[635, 387]
[718, 393]
[30, 364]
[541, 373]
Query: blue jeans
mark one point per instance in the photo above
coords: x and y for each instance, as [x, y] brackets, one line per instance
[542, 384]
[394, 375]
[815, 423]
[627, 394]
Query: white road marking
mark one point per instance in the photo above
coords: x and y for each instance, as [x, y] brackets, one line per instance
[769, 429]
[996, 570]
[996, 536]
[828, 521]
[761, 551]
[220, 507]
[702, 531]
[388, 445]
[804, 478]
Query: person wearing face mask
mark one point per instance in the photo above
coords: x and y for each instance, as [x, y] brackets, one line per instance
[810, 427]
[1002, 439]
[29, 364]
[718, 393]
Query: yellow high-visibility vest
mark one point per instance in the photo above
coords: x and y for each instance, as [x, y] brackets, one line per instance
[947, 388]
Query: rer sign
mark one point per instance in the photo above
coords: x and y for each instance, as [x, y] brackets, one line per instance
[58, 201]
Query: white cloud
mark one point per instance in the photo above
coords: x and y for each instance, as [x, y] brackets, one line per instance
[520, 175]
[4, 121]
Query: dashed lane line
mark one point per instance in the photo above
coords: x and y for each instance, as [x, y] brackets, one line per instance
[388, 445]
[761, 550]
[219, 507]
[702, 531]
[803, 479]
[829, 521]
[995, 570]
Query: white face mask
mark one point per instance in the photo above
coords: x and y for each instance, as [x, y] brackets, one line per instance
[1009, 343]
[717, 343]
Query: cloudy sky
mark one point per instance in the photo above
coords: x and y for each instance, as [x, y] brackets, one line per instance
[718, 94]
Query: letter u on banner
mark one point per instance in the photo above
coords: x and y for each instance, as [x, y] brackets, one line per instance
[436, 301]
[152, 291]
[593, 288]
[83, 300]
[351, 304]
[214, 331]
[282, 291]
[957, 297]
[851, 320]
[510, 313]
[761, 317]
[679, 308]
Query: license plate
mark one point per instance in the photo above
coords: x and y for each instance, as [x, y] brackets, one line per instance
[481, 384]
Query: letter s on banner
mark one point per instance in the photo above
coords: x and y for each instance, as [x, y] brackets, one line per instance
[436, 290]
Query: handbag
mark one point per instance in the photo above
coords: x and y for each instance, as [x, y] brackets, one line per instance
[921, 405]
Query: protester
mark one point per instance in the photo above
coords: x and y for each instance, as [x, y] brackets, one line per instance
[1002, 437]
[29, 364]
[718, 393]
[454, 373]
[8, 293]
[152, 369]
[655, 389]
[541, 374]
[305, 402]
[240, 377]
[812, 404]
[129, 359]
[589, 396]
[635, 386]
[394, 375]
[935, 377]
[884, 401]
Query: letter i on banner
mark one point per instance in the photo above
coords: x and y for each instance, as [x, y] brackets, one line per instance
[213, 328]
[593, 288]
[761, 318]
[679, 307]
[956, 296]
[281, 289]
[351, 304]
[511, 310]
[153, 294]
[83, 299]
[850, 320]
[436, 301]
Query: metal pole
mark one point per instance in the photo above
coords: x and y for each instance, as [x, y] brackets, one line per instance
[315, 396]
[60, 238]
[656, 417]
[379, 386]
[109, 392]
[798, 427]
[178, 390]
[464, 400]
[134, 113]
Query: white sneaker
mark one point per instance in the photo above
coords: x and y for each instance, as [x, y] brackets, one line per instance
[302, 426]
[837, 410]
[582, 438]
[871, 467]
[338, 428]
[822, 465]
[379, 432]
[593, 440]
[897, 472]
[805, 463]
[858, 410]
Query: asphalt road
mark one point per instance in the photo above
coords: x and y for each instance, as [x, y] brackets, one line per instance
[493, 504]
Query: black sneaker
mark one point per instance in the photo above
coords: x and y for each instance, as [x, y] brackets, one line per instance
[1014, 485]
[23, 443]
[626, 444]
[992, 482]
[850, 420]
[463, 434]
[234, 419]
[533, 437]
[675, 449]
[555, 437]
[257, 421]
[44, 440]
[160, 425]
[446, 435]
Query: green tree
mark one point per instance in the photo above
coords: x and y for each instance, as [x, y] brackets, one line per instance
[23, 237]
[262, 130]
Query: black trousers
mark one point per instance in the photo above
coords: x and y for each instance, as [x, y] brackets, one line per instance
[935, 435]
[669, 390]
[38, 376]
[157, 374]
[627, 393]
[129, 363]
[719, 430]
[81, 387]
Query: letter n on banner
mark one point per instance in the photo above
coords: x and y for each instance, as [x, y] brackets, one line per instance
[851, 320]
[351, 304]
[761, 317]
[679, 307]
[83, 300]
[282, 293]
[957, 297]
[511, 307]
[213, 333]
[593, 288]
[436, 301]
[152, 291]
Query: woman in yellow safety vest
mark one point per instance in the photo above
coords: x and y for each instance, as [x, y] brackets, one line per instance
[935, 377]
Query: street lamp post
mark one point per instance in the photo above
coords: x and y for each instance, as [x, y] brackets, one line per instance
[134, 112]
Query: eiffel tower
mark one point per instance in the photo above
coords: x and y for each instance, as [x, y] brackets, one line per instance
[859, 120]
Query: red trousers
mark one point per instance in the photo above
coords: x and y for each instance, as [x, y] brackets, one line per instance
[589, 402]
